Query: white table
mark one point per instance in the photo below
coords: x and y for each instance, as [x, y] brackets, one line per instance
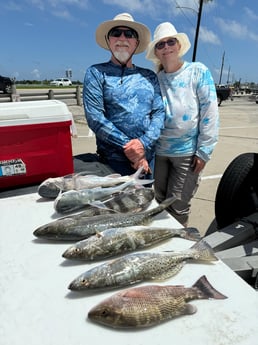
[37, 308]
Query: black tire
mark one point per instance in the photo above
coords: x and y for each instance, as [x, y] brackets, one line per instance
[237, 191]
[8, 88]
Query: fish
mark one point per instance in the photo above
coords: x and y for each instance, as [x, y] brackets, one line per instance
[74, 200]
[51, 187]
[150, 305]
[82, 228]
[114, 241]
[138, 267]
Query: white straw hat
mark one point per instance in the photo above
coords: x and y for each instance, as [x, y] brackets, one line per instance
[123, 19]
[165, 30]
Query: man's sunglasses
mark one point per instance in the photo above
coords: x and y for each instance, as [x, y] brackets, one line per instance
[171, 42]
[128, 33]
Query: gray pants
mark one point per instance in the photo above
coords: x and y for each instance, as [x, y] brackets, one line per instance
[174, 176]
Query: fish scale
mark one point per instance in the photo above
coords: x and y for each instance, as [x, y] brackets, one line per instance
[114, 241]
[87, 227]
[137, 267]
[151, 304]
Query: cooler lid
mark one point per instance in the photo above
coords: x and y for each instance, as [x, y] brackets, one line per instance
[33, 112]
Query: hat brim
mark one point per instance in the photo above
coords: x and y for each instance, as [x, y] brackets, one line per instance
[181, 37]
[141, 29]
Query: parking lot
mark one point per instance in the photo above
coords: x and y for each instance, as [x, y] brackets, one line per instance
[238, 134]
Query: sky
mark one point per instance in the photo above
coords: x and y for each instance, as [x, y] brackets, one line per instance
[42, 39]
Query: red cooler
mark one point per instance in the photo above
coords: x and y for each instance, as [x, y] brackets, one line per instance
[35, 142]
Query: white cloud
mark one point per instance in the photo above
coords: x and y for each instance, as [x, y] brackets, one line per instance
[207, 36]
[62, 14]
[250, 13]
[236, 30]
[145, 6]
[36, 73]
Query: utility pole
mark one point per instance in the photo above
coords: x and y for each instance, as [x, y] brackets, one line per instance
[228, 75]
[197, 30]
[222, 64]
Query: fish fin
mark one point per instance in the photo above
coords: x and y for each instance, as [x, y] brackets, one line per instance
[99, 234]
[173, 270]
[191, 233]
[189, 309]
[207, 290]
[203, 251]
[100, 204]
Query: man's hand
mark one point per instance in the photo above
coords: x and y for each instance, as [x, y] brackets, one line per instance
[197, 164]
[134, 150]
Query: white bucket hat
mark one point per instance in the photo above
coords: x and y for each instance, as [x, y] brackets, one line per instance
[123, 19]
[165, 30]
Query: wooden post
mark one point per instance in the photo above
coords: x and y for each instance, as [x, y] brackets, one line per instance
[15, 97]
[51, 94]
[78, 95]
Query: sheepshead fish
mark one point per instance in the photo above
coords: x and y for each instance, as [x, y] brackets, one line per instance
[51, 187]
[115, 241]
[83, 228]
[137, 267]
[150, 305]
[74, 200]
[129, 200]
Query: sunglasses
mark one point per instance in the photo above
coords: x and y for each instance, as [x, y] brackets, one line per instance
[171, 42]
[128, 33]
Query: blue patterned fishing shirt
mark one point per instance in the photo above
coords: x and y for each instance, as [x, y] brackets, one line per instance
[123, 104]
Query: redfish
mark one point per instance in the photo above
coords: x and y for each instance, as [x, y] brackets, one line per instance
[150, 305]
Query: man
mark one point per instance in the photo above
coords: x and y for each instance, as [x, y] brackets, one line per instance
[123, 103]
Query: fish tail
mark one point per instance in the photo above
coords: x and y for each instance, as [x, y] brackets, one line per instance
[207, 290]
[162, 206]
[137, 180]
[203, 251]
[192, 234]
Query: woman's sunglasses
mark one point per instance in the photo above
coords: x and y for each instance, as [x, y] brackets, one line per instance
[171, 42]
[128, 33]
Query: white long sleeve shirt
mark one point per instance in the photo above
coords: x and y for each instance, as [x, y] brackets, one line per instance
[192, 116]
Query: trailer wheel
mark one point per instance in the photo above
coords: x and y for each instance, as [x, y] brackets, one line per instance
[237, 192]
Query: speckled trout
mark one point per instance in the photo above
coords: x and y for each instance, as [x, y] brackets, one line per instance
[143, 266]
[115, 241]
[84, 228]
[150, 305]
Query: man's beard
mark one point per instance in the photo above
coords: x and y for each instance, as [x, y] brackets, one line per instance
[122, 56]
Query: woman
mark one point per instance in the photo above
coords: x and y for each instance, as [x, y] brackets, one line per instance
[191, 125]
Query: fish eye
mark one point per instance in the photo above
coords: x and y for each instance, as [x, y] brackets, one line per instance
[105, 312]
[77, 250]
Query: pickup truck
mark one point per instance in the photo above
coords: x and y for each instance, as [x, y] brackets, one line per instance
[223, 93]
[6, 84]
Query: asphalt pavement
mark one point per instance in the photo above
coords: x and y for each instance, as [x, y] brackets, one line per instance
[238, 134]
